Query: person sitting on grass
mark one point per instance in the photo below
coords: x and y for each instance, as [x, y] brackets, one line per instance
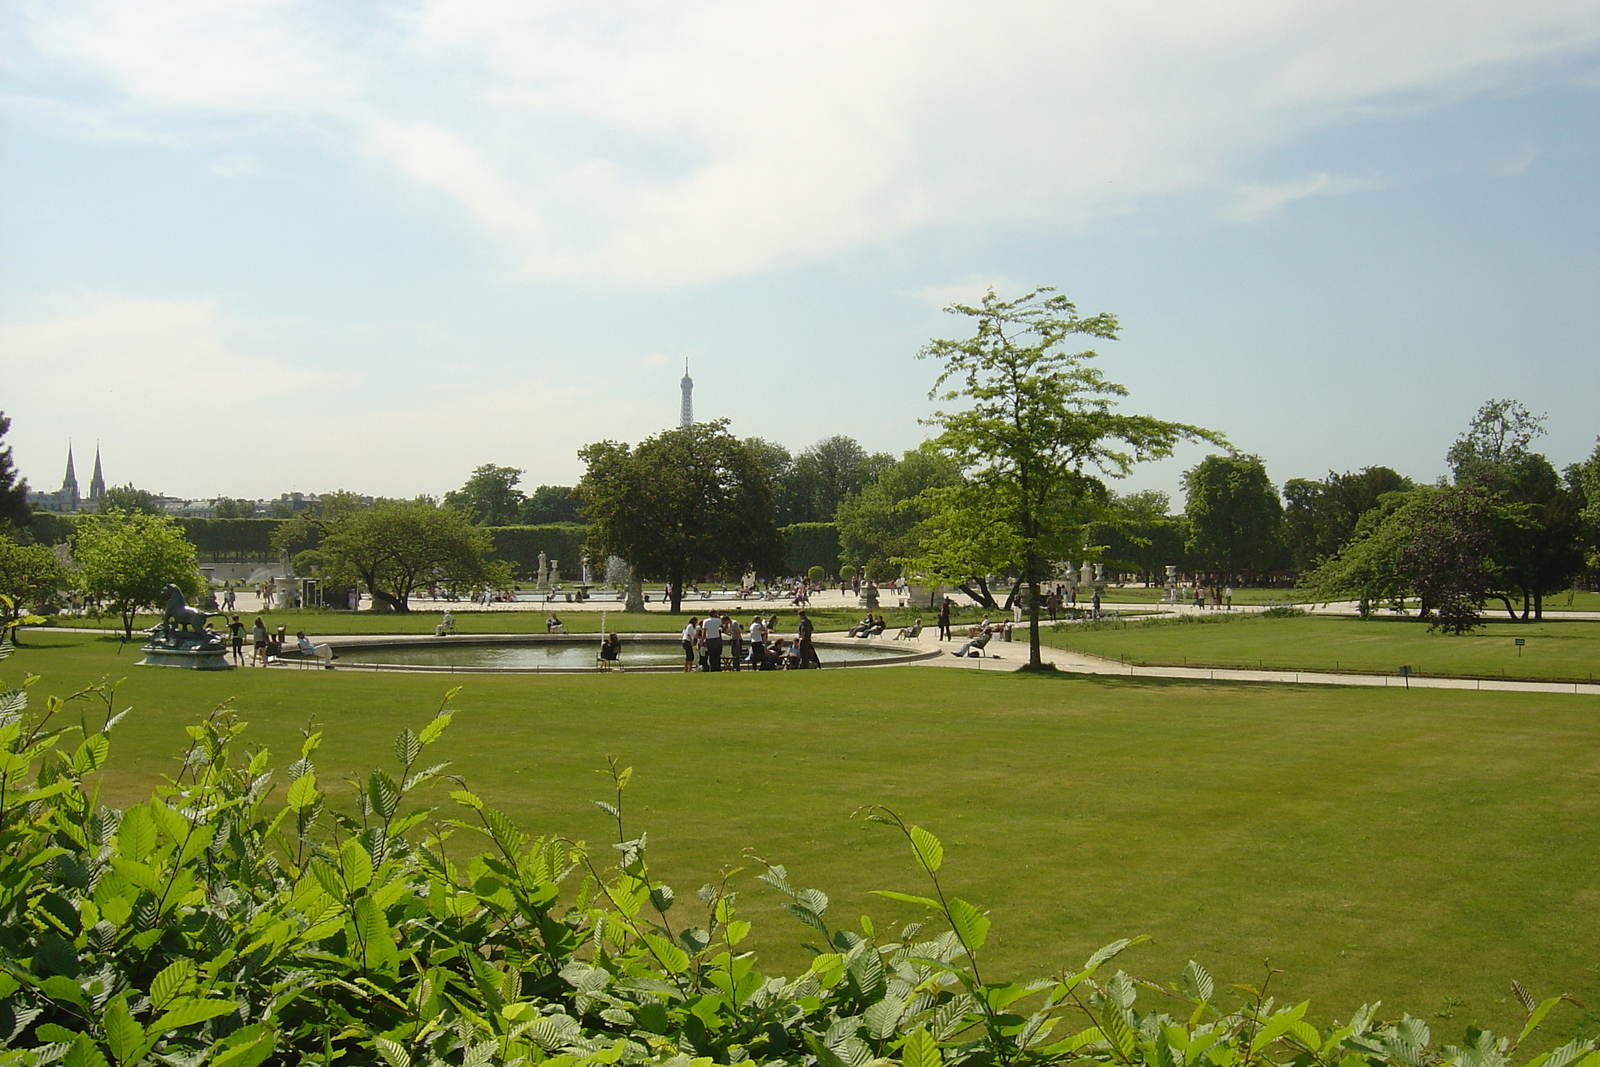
[974, 647]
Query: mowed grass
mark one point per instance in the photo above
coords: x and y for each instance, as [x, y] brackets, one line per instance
[1568, 651]
[1423, 848]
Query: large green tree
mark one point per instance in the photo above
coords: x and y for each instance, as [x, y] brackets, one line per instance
[549, 504]
[30, 575]
[1235, 516]
[1036, 435]
[1320, 516]
[490, 497]
[878, 525]
[127, 498]
[126, 558]
[825, 474]
[1139, 534]
[13, 490]
[396, 547]
[1541, 550]
[686, 503]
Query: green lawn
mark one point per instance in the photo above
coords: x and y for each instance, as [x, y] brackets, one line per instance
[1421, 847]
[1554, 650]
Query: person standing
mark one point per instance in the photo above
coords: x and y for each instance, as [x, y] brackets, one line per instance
[713, 643]
[735, 640]
[1227, 597]
[758, 643]
[228, 597]
[236, 639]
[808, 651]
[944, 620]
[258, 638]
[1095, 603]
[691, 633]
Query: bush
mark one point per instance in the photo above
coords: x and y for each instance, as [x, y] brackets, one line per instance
[847, 572]
[520, 546]
[225, 923]
[810, 544]
[1284, 612]
[816, 574]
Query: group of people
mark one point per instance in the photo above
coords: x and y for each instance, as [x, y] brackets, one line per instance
[757, 646]
[867, 627]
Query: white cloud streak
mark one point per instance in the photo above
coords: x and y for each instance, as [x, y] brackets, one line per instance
[662, 144]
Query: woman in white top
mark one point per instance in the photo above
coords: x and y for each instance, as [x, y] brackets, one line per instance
[691, 638]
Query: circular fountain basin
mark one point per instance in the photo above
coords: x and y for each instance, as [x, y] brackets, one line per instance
[533, 654]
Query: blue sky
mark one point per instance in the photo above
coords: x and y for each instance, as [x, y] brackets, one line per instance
[269, 245]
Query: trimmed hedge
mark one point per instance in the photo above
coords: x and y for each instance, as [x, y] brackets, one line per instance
[520, 546]
[811, 544]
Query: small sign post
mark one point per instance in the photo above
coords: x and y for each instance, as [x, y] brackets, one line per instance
[1405, 672]
[1520, 643]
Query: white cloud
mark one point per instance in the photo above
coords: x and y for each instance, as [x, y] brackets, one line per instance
[186, 401]
[968, 290]
[238, 165]
[1256, 201]
[669, 143]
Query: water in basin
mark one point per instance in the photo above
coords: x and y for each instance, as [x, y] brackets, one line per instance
[566, 655]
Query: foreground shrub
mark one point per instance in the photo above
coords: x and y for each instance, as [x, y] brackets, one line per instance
[226, 922]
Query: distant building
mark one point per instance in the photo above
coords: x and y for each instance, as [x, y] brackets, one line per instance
[686, 411]
[68, 500]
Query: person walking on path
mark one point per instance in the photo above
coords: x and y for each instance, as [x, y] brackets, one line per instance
[228, 597]
[236, 639]
[258, 639]
[944, 620]
[808, 651]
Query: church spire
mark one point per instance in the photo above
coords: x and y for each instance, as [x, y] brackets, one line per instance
[97, 484]
[69, 484]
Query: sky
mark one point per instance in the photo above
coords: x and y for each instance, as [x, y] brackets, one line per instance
[257, 246]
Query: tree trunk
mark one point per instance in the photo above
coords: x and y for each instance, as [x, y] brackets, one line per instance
[1511, 611]
[1011, 597]
[394, 603]
[981, 594]
[635, 596]
[1034, 659]
[1526, 604]
[675, 589]
[1538, 607]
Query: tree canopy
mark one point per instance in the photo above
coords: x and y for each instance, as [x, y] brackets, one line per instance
[490, 496]
[686, 503]
[1037, 435]
[396, 547]
[126, 558]
[878, 526]
[1235, 516]
[14, 509]
[1320, 516]
[30, 576]
[127, 498]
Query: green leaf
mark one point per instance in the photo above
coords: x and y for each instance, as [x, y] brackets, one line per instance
[124, 1036]
[354, 864]
[136, 835]
[1536, 1016]
[91, 753]
[907, 898]
[671, 957]
[83, 1054]
[1197, 983]
[970, 924]
[302, 792]
[927, 848]
[430, 733]
[170, 982]
[407, 747]
[245, 1047]
[1278, 1026]
[392, 1052]
[465, 799]
[1115, 1028]
[188, 1012]
[384, 794]
[919, 1049]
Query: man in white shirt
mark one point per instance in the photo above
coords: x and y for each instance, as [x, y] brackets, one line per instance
[758, 642]
[713, 643]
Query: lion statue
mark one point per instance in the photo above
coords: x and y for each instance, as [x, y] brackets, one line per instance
[178, 616]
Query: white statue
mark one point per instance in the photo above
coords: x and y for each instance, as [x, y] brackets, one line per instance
[543, 573]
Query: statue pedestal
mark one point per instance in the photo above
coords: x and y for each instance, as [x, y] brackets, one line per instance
[194, 659]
